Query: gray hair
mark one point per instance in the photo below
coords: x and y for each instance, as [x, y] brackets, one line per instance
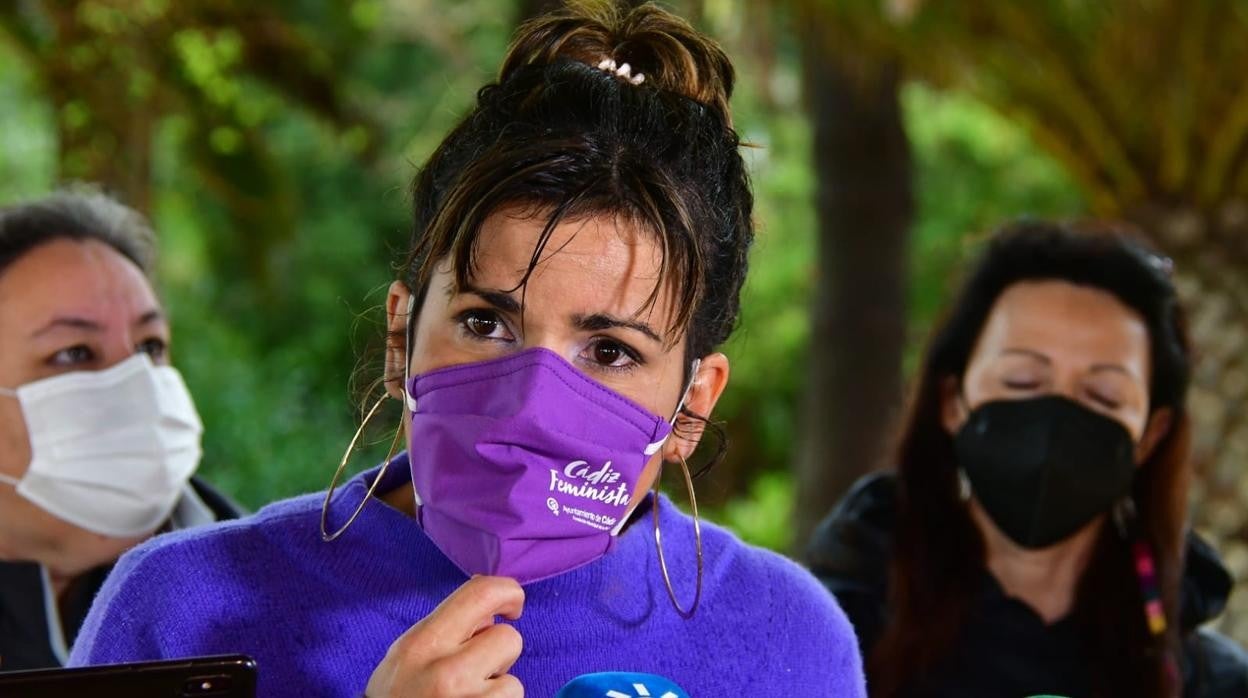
[80, 212]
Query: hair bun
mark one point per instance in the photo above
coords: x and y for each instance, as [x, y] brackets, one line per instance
[666, 49]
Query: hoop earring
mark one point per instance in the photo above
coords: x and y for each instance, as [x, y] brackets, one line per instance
[1123, 515]
[697, 534]
[964, 486]
[333, 483]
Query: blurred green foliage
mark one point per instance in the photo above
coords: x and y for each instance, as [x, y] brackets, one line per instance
[975, 169]
[27, 139]
[270, 345]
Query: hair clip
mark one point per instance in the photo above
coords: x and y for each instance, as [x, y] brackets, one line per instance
[623, 70]
[1162, 264]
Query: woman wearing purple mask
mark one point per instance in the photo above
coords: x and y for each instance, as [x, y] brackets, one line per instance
[98, 435]
[579, 248]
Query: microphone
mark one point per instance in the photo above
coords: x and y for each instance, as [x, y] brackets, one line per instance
[621, 684]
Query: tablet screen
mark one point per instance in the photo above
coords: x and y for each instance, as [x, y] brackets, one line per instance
[226, 676]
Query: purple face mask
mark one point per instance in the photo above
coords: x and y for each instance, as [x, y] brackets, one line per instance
[523, 466]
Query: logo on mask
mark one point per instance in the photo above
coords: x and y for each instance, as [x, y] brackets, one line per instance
[580, 479]
[601, 485]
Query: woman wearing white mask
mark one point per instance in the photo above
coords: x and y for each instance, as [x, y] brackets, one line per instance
[98, 435]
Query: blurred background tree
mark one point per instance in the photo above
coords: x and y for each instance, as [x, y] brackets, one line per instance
[273, 143]
[864, 205]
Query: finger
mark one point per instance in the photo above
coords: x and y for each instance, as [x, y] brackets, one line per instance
[512, 607]
[505, 686]
[491, 653]
[470, 607]
[480, 599]
[475, 667]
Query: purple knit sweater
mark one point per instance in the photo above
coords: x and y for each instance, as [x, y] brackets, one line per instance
[318, 617]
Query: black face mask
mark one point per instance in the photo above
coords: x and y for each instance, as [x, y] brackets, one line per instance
[1044, 467]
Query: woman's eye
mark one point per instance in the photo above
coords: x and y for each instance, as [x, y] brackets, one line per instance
[484, 324]
[155, 347]
[1021, 384]
[611, 354]
[1105, 401]
[72, 356]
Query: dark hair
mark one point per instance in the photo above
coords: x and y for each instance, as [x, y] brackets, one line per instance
[80, 213]
[564, 139]
[939, 553]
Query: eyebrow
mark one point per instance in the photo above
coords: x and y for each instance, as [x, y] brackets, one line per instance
[1116, 368]
[83, 324]
[151, 316]
[75, 323]
[1027, 352]
[602, 321]
[499, 299]
[589, 323]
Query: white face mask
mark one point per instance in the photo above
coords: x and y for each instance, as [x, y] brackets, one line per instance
[111, 450]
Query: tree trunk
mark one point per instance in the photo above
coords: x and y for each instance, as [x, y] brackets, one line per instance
[1217, 295]
[865, 203]
[104, 132]
[760, 46]
[1209, 264]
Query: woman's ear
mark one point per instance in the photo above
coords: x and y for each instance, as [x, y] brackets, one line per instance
[707, 385]
[399, 307]
[952, 406]
[1159, 424]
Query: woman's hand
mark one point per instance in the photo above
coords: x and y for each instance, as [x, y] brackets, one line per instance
[458, 650]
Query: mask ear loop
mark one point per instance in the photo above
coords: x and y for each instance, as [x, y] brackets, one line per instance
[408, 400]
[693, 505]
[326, 535]
[964, 482]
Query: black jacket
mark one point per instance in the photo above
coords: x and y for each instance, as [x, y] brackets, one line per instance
[1006, 649]
[26, 638]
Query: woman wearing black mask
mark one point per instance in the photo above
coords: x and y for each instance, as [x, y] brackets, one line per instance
[1032, 539]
